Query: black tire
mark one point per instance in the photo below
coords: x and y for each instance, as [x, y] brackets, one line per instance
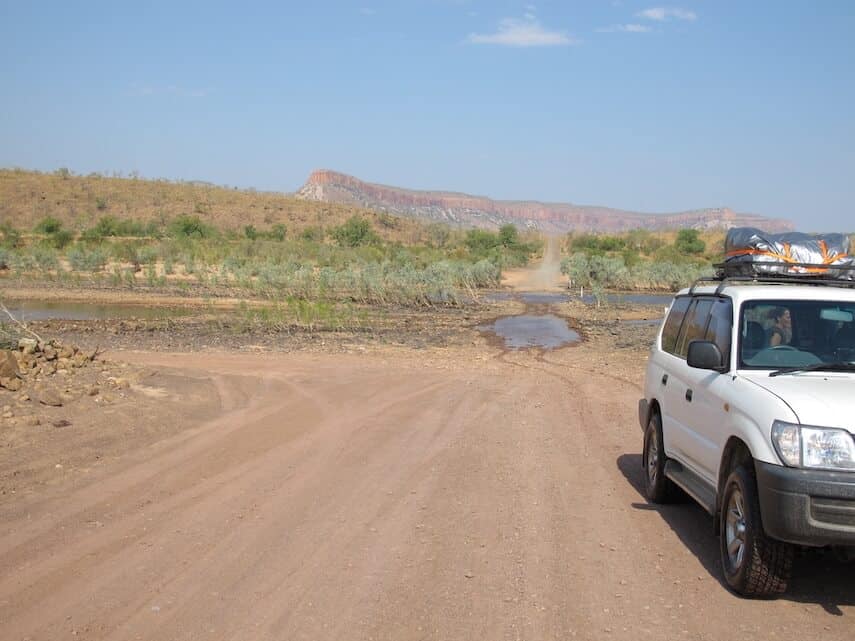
[657, 487]
[753, 564]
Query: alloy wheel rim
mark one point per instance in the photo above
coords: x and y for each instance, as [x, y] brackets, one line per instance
[734, 529]
[652, 458]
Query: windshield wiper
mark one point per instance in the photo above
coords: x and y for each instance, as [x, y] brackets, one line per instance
[835, 366]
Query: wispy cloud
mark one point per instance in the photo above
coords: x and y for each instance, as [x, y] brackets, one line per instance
[523, 32]
[168, 90]
[661, 14]
[625, 28]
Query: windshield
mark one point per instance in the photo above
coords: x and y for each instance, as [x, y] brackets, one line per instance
[786, 333]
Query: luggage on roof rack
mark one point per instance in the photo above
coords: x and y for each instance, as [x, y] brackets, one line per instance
[751, 252]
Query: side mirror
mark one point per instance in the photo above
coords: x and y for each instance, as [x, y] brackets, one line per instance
[705, 355]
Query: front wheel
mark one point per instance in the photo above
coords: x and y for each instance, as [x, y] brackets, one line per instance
[753, 564]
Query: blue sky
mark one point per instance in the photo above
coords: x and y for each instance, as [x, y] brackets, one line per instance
[638, 105]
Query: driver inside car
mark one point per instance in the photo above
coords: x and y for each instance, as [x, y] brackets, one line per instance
[781, 331]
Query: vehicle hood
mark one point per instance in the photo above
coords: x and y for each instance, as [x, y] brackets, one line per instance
[825, 399]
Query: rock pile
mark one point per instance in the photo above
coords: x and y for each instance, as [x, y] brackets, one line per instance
[34, 361]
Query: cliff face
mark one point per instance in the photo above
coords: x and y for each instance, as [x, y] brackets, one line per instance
[478, 211]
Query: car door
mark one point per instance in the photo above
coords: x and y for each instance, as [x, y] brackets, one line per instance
[659, 378]
[687, 397]
[706, 412]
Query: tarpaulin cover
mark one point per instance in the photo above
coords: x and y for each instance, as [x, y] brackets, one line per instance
[750, 252]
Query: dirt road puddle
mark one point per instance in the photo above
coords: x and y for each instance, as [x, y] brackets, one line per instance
[543, 331]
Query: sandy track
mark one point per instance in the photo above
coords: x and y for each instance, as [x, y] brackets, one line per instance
[544, 275]
[391, 496]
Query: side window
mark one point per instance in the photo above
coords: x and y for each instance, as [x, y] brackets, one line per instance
[673, 323]
[721, 326]
[695, 326]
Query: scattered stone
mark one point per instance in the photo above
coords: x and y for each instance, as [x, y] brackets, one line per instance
[61, 423]
[28, 345]
[33, 421]
[8, 414]
[79, 360]
[11, 384]
[8, 364]
[122, 383]
[92, 390]
[50, 353]
[66, 352]
[48, 396]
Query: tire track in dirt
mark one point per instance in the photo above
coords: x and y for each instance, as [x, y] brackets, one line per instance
[380, 497]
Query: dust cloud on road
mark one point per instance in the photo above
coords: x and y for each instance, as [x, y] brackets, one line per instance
[544, 275]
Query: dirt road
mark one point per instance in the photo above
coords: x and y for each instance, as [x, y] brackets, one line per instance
[543, 276]
[397, 494]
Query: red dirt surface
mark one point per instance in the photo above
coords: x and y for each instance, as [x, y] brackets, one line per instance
[463, 493]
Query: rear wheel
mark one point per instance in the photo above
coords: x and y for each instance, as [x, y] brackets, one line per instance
[658, 487]
[753, 564]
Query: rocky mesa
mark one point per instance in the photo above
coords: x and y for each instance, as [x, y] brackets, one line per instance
[479, 211]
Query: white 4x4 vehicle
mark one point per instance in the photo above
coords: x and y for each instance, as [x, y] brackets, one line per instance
[749, 407]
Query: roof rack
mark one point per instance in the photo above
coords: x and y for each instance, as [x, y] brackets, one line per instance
[723, 279]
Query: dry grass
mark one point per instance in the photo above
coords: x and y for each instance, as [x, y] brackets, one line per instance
[79, 201]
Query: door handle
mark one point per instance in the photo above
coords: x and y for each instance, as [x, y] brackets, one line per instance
[664, 379]
[689, 395]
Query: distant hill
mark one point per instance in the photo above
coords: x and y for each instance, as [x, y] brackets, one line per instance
[79, 201]
[479, 211]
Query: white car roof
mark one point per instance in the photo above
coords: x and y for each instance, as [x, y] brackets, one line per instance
[740, 292]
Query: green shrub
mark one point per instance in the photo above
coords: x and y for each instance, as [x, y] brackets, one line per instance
[355, 232]
[509, 236]
[597, 243]
[22, 261]
[277, 232]
[190, 227]
[61, 239]
[48, 225]
[481, 240]
[85, 259]
[45, 258]
[689, 242]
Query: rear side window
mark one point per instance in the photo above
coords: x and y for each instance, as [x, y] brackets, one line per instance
[720, 327]
[673, 323]
[695, 325]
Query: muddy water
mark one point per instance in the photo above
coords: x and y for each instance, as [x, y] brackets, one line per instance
[540, 298]
[45, 310]
[545, 331]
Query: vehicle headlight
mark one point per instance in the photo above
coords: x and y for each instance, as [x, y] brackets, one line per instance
[814, 447]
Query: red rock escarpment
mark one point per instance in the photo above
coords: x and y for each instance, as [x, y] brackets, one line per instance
[464, 209]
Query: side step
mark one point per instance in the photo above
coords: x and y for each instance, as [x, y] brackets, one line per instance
[692, 484]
